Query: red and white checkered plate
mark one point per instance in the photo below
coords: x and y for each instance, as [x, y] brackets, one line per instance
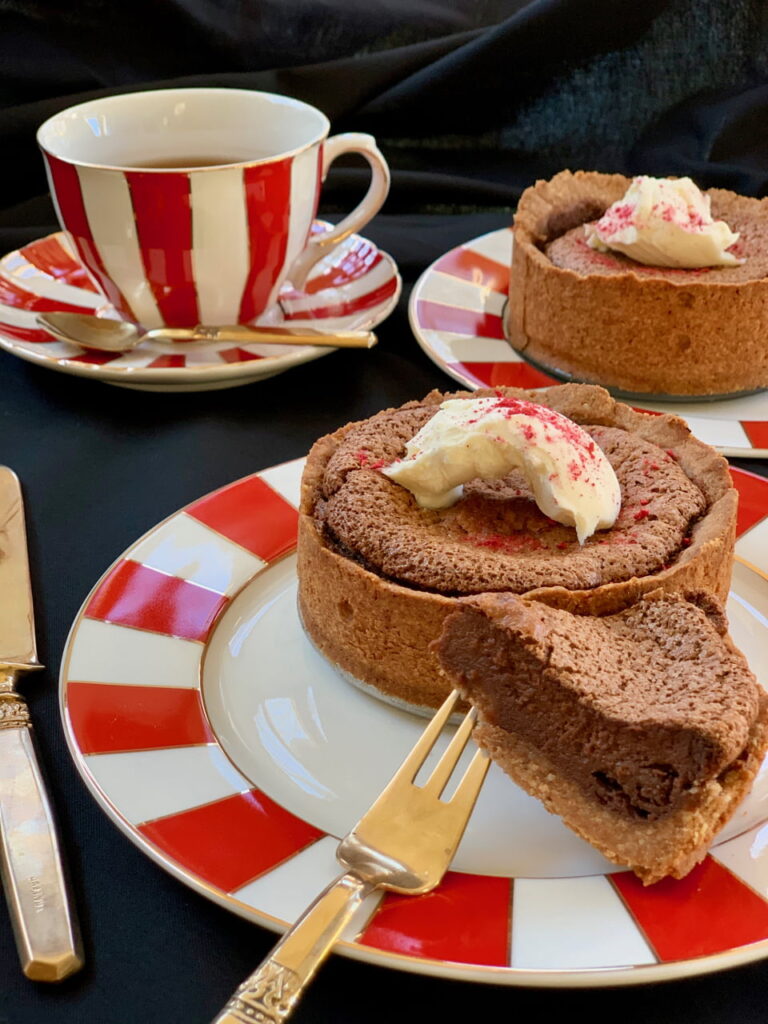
[456, 314]
[222, 744]
[354, 288]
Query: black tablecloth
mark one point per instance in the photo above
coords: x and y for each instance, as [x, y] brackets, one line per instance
[101, 465]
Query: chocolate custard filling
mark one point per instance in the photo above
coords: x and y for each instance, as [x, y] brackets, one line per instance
[638, 709]
[496, 538]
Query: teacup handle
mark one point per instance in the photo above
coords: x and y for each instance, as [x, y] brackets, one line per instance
[321, 243]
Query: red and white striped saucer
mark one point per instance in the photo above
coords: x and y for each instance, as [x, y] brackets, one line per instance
[212, 733]
[456, 311]
[354, 288]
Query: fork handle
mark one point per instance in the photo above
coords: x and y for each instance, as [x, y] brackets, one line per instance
[269, 995]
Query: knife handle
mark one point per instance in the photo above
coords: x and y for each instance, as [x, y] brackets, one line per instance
[46, 933]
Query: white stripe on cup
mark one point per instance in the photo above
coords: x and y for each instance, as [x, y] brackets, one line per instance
[303, 185]
[220, 246]
[108, 206]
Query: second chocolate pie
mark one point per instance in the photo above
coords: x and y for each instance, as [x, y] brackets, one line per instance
[604, 317]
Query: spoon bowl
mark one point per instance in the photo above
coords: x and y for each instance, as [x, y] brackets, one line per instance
[92, 331]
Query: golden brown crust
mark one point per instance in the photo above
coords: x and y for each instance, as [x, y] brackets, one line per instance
[634, 331]
[380, 631]
[669, 846]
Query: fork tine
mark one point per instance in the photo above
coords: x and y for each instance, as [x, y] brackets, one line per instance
[463, 800]
[443, 770]
[418, 755]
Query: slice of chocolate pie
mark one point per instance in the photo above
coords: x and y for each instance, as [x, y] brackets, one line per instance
[643, 729]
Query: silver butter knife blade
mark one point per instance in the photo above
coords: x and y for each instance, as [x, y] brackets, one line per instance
[17, 621]
[46, 932]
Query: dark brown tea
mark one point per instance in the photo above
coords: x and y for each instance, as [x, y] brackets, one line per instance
[171, 162]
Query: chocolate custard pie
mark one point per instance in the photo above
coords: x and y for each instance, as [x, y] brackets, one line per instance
[601, 316]
[642, 729]
[378, 573]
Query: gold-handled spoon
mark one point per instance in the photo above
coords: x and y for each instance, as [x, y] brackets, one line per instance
[119, 336]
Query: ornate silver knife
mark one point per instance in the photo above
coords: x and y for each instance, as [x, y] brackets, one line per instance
[30, 861]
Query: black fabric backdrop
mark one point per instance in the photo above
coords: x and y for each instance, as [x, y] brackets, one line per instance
[470, 101]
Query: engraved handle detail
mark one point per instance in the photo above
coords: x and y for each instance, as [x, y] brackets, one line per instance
[30, 859]
[267, 997]
[14, 713]
[270, 994]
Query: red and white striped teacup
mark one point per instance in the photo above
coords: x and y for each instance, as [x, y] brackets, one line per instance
[193, 206]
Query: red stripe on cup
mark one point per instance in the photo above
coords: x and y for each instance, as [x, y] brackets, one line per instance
[269, 530]
[11, 294]
[163, 210]
[50, 257]
[135, 595]
[66, 185]
[232, 841]
[268, 206]
[709, 911]
[753, 498]
[472, 266]
[465, 920]
[434, 316]
[757, 432]
[108, 717]
[366, 301]
[499, 375]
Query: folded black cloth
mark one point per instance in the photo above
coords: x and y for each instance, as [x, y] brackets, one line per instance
[471, 100]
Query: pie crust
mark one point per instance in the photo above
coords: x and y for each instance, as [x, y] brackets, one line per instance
[642, 329]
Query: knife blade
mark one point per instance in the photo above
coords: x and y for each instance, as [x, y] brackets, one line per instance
[46, 932]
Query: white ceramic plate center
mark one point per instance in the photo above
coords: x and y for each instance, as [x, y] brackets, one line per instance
[323, 749]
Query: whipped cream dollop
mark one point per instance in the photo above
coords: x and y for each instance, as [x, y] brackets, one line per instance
[663, 222]
[571, 479]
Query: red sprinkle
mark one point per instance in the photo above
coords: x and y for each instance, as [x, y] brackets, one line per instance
[362, 457]
[686, 541]
[505, 542]
[378, 464]
[645, 501]
[642, 513]
[551, 419]
[615, 218]
[671, 454]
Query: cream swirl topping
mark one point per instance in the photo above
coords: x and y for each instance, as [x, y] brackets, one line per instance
[571, 479]
[663, 222]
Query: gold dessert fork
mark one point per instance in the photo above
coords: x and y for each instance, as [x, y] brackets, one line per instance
[404, 843]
